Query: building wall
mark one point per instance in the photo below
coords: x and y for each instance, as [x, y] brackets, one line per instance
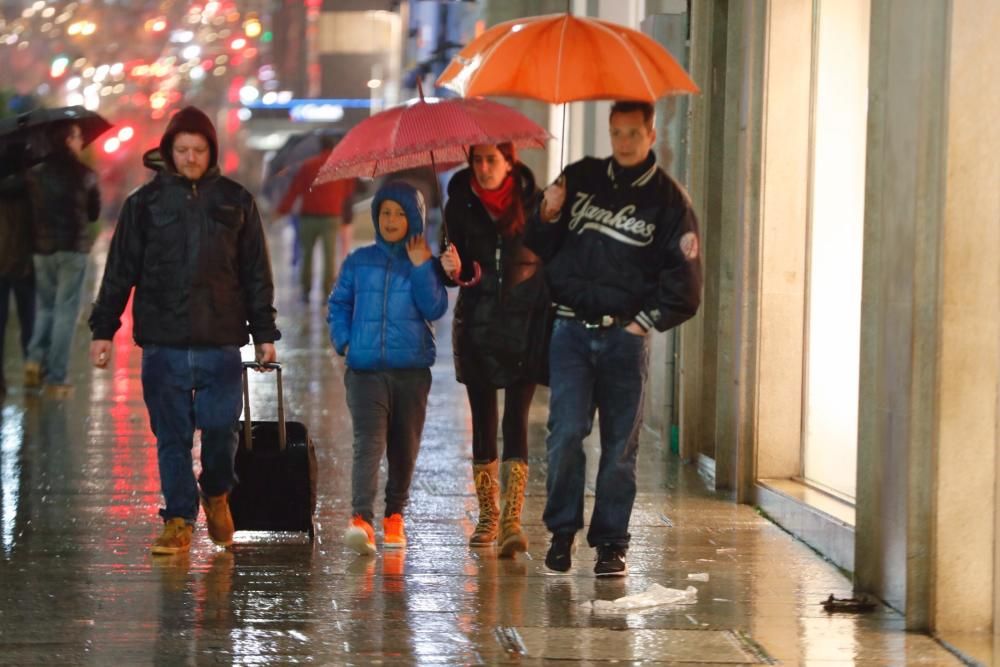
[925, 533]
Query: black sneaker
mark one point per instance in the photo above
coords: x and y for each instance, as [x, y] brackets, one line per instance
[610, 561]
[559, 558]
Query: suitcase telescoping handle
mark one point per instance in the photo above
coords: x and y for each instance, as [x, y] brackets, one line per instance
[247, 430]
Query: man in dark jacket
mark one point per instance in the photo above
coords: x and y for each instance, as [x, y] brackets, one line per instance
[620, 243]
[64, 198]
[191, 243]
[17, 275]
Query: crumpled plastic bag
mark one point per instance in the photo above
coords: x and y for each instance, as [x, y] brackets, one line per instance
[654, 596]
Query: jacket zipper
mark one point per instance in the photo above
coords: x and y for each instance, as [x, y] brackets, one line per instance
[499, 264]
[385, 306]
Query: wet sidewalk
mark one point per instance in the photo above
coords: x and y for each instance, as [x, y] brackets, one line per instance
[79, 586]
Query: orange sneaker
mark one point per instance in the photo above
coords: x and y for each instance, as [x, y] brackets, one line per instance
[360, 536]
[395, 536]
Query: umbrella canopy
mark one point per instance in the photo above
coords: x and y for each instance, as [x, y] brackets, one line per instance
[301, 147]
[564, 58]
[427, 132]
[26, 139]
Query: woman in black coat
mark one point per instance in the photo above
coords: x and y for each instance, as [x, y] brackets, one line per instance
[499, 333]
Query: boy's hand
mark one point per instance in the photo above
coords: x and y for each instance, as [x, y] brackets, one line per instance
[451, 262]
[552, 203]
[418, 250]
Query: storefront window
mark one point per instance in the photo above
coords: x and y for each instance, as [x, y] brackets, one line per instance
[836, 225]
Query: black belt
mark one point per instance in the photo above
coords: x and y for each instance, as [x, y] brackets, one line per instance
[602, 322]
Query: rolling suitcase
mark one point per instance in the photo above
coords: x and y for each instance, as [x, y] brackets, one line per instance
[275, 470]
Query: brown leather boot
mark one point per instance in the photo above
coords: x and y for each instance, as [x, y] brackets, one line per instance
[488, 492]
[513, 480]
[218, 518]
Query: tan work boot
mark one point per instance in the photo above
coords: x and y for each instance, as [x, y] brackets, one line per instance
[513, 480]
[487, 492]
[175, 538]
[218, 518]
[32, 375]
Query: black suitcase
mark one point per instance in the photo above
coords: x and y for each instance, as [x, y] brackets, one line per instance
[275, 470]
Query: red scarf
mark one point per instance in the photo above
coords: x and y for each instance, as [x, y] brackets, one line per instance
[499, 204]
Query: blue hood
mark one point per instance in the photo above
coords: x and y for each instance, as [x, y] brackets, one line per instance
[412, 202]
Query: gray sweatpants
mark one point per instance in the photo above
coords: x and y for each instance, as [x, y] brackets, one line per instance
[388, 409]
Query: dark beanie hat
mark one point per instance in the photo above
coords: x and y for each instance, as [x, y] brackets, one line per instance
[192, 120]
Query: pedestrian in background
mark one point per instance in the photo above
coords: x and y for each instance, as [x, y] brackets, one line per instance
[499, 330]
[323, 209]
[64, 198]
[191, 243]
[17, 275]
[620, 243]
[380, 315]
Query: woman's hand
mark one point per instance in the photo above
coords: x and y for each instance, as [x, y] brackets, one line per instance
[417, 249]
[451, 262]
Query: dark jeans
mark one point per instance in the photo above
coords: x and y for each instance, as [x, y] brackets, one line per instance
[23, 288]
[483, 405]
[603, 370]
[387, 410]
[187, 389]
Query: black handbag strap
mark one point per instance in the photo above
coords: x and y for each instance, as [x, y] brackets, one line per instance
[247, 429]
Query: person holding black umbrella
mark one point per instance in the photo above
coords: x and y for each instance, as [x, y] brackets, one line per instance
[65, 198]
[17, 275]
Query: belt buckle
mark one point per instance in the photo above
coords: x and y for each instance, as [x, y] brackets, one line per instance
[604, 322]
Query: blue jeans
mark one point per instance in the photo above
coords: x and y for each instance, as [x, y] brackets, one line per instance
[187, 389]
[603, 370]
[58, 286]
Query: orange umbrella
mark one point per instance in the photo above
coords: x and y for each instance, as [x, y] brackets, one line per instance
[564, 58]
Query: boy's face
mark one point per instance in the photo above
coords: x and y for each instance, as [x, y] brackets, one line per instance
[392, 224]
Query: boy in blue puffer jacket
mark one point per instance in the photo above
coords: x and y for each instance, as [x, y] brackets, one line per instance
[380, 316]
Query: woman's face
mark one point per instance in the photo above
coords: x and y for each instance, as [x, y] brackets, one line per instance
[74, 140]
[392, 223]
[490, 166]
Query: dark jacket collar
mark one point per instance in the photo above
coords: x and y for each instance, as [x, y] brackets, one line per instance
[635, 176]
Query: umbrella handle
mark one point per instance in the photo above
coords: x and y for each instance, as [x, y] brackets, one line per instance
[477, 275]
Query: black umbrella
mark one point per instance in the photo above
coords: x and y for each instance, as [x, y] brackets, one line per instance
[27, 139]
[300, 147]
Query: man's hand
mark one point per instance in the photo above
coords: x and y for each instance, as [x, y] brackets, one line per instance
[264, 353]
[634, 329]
[451, 262]
[553, 200]
[417, 249]
[100, 353]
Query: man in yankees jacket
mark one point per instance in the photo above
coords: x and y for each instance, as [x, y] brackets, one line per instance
[621, 250]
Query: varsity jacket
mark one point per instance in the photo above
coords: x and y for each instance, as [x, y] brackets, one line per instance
[625, 246]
